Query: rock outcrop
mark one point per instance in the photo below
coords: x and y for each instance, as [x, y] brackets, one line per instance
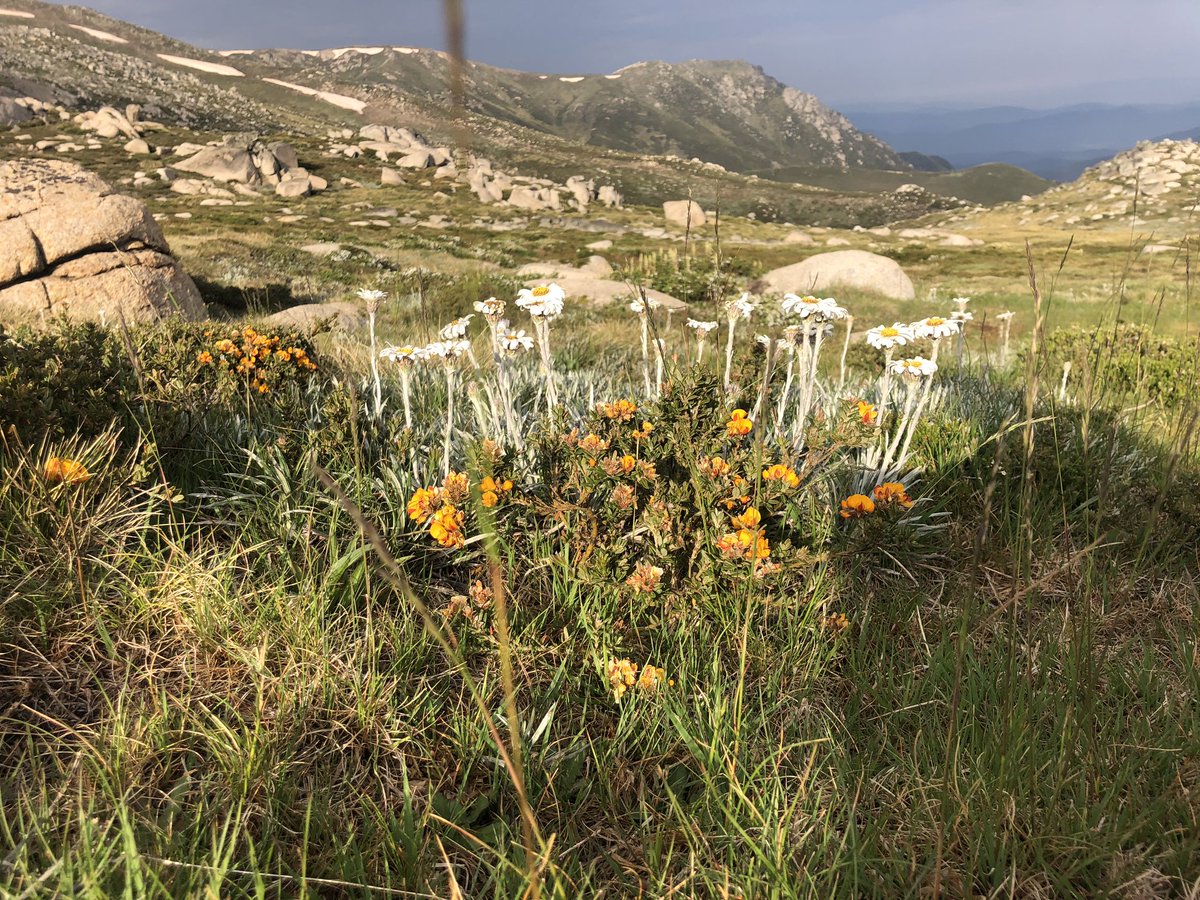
[856, 269]
[74, 247]
[12, 111]
[244, 159]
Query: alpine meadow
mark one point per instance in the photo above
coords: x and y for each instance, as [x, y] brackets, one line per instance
[423, 478]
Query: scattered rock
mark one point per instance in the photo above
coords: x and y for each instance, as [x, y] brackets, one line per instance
[343, 316]
[798, 237]
[138, 147]
[597, 265]
[78, 249]
[684, 213]
[322, 248]
[588, 285]
[855, 269]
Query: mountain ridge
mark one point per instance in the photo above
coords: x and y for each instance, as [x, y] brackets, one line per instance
[727, 112]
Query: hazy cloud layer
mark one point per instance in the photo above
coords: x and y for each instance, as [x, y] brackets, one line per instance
[858, 52]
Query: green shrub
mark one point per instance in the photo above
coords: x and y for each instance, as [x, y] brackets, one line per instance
[1128, 360]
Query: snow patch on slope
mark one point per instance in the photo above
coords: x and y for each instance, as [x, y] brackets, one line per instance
[340, 100]
[100, 35]
[202, 66]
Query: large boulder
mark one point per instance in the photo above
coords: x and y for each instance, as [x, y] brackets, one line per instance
[684, 213]
[12, 112]
[107, 122]
[589, 285]
[231, 160]
[855, 269]
[74, 247]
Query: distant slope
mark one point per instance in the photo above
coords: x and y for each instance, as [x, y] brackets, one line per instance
[1152, 189]
[725, 112]
[82, 59]
[986, 185]
[1056, 143]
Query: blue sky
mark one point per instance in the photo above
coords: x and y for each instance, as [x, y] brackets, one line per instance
[849, 53]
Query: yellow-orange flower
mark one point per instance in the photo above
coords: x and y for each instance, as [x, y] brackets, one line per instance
[749, 519]
[446, 527]
[491, 489]
[866, 412]
[619, 410]
[714, 467]
[780, 472]
[644, 432]
[593, 444]
[622, 675]
[456, 487]
[204, 357]
[893, 492]
[60, 469]
[743, 543]
[739, 423]
[422, 504]
[651, 679]
[645, 578]
[856, 506]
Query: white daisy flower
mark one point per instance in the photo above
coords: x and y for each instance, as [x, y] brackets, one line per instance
[544, 301]
[741, 308]
[403, 356]
[916, 367]
[372, 296]
[491, 308]
[447, 350]
[884, 337]
[456, 329]
[639, 306]
[1005, 316]
[702, 329]
[513, 340]
[934, 327]
[961, 302]
[808, 305]
[960, 315]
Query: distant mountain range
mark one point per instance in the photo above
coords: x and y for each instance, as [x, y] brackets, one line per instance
[1056, 143]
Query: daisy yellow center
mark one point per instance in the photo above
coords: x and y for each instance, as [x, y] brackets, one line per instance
[889, 332]
[934, 320]
[540, 291]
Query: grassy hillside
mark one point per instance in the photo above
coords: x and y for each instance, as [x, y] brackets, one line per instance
[985, 185]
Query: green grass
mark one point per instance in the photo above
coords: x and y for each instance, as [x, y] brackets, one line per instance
[224, 677]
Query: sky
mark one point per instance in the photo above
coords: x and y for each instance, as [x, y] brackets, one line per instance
[850, 53]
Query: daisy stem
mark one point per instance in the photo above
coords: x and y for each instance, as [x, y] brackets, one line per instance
[699, 351]
[845, 351]
[885, 388]
[405, 393]
[543, 336]
[912, 427]
[1004, 342]
[645, 317]
[729, 354]
[810, 387]
[378, 387]
[910, 396]
[449, 419]
[787, 386]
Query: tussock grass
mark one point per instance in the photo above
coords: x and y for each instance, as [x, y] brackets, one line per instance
[228, 663]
